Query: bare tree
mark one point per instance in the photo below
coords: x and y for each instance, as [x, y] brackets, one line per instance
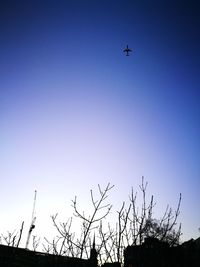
[134, 223]
[12, 238]
[66, 243]
[144, 225]
[9, 238]
[35, 242]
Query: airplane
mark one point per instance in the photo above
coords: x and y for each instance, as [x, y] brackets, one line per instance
[127, 50]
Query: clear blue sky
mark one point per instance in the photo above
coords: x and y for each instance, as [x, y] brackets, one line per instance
[75, 111]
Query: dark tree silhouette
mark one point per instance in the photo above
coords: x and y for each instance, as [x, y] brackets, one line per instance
[134, 223]
[12, 238]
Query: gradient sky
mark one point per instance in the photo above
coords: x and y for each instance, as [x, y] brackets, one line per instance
[75, 111]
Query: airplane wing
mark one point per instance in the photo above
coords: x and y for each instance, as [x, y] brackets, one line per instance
[127, 49]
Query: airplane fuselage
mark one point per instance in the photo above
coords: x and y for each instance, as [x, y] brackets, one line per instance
[127, 50]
